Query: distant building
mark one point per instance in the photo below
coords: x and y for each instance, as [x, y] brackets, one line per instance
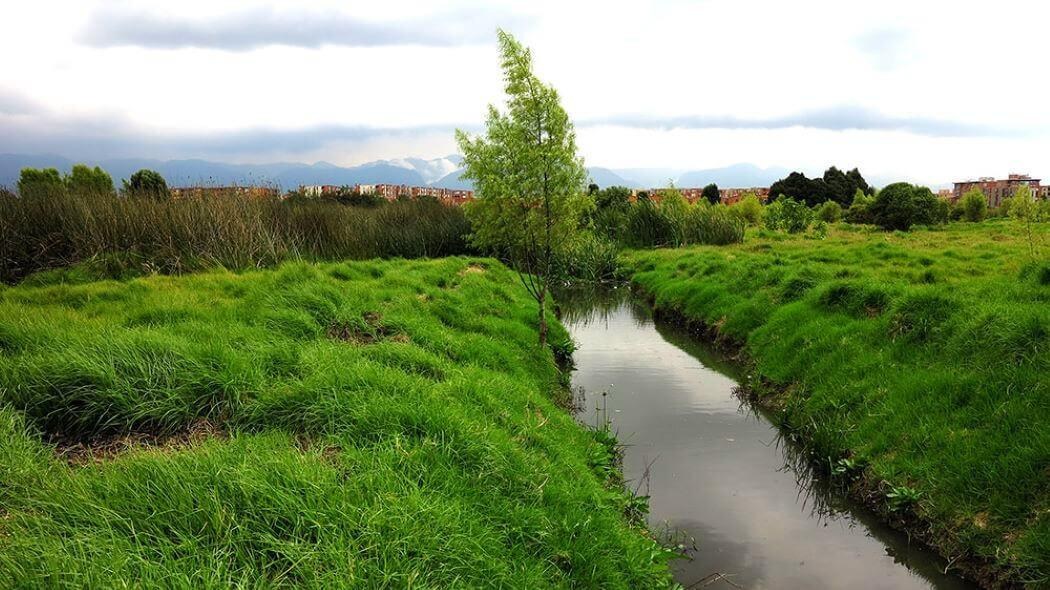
[999, 190]
[198, 192]
[391, 192]
[727, 196]
[947, 194]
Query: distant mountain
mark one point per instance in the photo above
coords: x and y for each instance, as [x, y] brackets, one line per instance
[441, 172]
[412, 171]
[735, 176]
[603, 177]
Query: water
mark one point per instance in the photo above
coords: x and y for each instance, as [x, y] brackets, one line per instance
[719, 473]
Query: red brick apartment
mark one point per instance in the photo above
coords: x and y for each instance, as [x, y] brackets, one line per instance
[999, 190]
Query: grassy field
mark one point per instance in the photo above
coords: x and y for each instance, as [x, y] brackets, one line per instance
[917, 363]
[365, 425]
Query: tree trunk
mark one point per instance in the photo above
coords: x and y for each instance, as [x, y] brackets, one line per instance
[543, 316]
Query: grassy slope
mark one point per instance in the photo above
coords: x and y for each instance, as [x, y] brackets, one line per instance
[925, 354]
[431, 457]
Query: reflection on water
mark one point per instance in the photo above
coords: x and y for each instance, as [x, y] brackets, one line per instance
[717, 469]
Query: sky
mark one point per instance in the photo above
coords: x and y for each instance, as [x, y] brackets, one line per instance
[923, 91]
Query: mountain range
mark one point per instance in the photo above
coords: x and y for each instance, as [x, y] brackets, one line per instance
[441, 172]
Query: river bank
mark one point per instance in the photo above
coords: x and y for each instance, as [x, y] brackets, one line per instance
[360, 425]
[913, 364]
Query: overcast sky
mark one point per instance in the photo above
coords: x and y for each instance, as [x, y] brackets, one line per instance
[926, 91]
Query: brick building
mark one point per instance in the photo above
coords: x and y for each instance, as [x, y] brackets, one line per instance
[999, 190]
[198, 192]
[392, 192]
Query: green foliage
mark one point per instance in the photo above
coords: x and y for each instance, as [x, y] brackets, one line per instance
[146, 183]
[713, 225]
[900, 205]
[590, 258]
[829, 212]
[748, 208]
[833, 186]
[974, 205]
[120, 236]
[787, 214]
[35, 184]
[610, 211]
[925, 353]
[648, 226]
[711, 194]
[902, 497]
[527, 175]
[85, 181]
[353, 425]
[860, 210]
[674, 208]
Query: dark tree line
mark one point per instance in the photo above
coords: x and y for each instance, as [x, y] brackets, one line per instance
[836, 185]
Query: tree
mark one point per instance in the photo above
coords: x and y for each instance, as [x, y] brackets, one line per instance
[900, 205]
[593, 188]
[795, 186]
[859, 184]
[712, 194]
[527, 176]
[974, 205]
[34, 183]
[146, 183]
[839, 188]
[83, 180]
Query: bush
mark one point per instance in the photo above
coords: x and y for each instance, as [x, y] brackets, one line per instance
[713, 225]
[860, 210]
[900, 205]
[829, 212]
[748, 208]
[787, 214]
[973, 205]
[146, 183]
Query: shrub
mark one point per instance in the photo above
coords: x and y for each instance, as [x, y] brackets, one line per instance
[787, 214]
[146, 183]
[860, 210]
[33, 183]
[900, 205]
[748, 208]
[713, 225]
[973, 205]
[829, 212]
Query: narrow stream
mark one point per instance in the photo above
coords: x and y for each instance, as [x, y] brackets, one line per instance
[719, 473]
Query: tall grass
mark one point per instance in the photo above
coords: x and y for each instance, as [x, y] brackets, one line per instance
[384, 424]
[922, 355]
[135, 234]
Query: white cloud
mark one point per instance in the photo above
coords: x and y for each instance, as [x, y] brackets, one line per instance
[924, 90]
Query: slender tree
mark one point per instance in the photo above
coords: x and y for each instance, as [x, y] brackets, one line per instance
[527, 175]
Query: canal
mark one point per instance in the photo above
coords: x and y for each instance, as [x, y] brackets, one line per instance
[717, 471]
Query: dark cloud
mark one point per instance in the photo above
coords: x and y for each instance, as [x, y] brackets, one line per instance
[248, 30]
[116, 137]
[839, 118]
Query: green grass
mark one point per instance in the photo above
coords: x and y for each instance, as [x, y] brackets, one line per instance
[924, 356]
[375, 424]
